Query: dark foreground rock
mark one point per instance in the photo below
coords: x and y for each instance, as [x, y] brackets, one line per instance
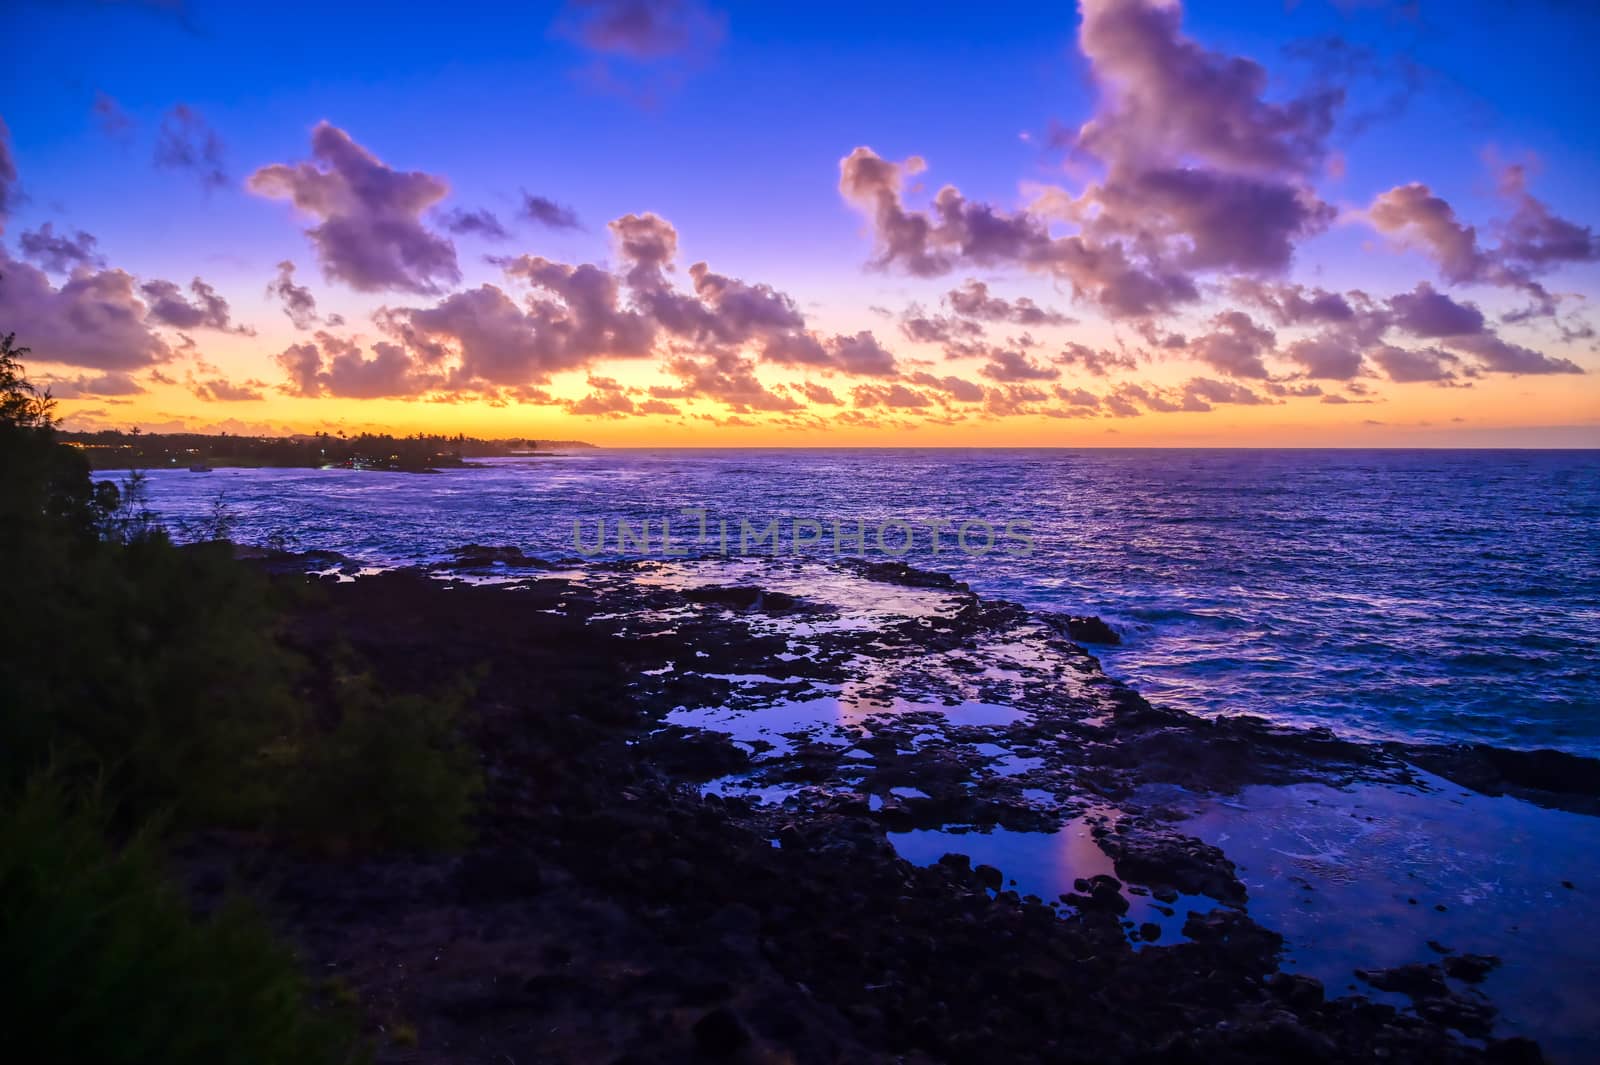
[1084, 629]
[1549, 778]
[609, 911]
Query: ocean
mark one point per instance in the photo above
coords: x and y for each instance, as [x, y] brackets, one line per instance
[1432, 596]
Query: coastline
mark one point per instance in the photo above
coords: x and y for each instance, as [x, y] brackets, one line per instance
[708, 774]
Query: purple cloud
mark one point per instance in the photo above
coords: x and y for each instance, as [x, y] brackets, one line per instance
[113, 120]
[972, 300]
[643, 29]
[1099, 362]
[206, 310]
[333, 366]
[1533, 240]
[726, 378]
[370, 234]
[221, 390]
[84, 386]
[95, 319]
[1501, 356]
[1235, 346]
[479, 223]
[1164, 96]
[186, 142]
[9, 194]
[547, 212]
[1407, 365]
[298, 302]
[59, 254]
[1426, 312]
[1013, 366]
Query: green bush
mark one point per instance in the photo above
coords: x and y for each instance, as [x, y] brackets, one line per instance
[153, 674]
[108, 966]
[120, 653]
[392, 771]
[158, 668]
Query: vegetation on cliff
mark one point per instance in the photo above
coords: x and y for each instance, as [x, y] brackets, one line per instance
[148, 693]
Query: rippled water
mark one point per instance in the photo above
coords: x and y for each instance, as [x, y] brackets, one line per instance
[1403, 594]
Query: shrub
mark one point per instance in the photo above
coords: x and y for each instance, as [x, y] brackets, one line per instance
[158, 670]
[392, 771]
[109, 966]
[158, 666]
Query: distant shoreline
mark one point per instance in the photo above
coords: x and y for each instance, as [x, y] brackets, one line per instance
[110, 450]
[212, 465]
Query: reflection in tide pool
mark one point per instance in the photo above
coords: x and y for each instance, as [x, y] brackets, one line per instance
[1047, 864]
[1367, 876]
[834, 719]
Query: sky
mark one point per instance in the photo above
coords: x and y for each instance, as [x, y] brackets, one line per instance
[1285, 223]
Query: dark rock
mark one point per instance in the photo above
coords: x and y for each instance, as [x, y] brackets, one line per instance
[1082, 629]
[742, 597]
[483, 554]
[1471, 968]
[1106, 893]
[1188, 864]
[704, 992]
[1298, 990]
[1149, 931]
[1550, 778]
[1416, 980]
[1518, 1050]
[736, 919]
[737, 597]
[989, 876]
[719, 1034]
[1092, 630]
[498, 875]
[694, 754]
[908, 576]
[1469, 1016]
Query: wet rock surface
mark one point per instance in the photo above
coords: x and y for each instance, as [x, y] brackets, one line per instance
[685, 850]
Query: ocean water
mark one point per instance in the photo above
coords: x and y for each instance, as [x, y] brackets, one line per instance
[1416, 595]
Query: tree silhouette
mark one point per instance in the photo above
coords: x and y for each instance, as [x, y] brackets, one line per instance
[22, 404]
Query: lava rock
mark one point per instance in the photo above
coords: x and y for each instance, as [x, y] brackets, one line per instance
[742, 597]
[483, 555]
[1417, 980]
[1298, 990]
[498, 875]
[1092, 630]
[719, 1034]
[1471, 968]
[1518, 1050]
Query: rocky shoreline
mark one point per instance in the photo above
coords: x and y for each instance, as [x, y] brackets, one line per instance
[705, 779]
